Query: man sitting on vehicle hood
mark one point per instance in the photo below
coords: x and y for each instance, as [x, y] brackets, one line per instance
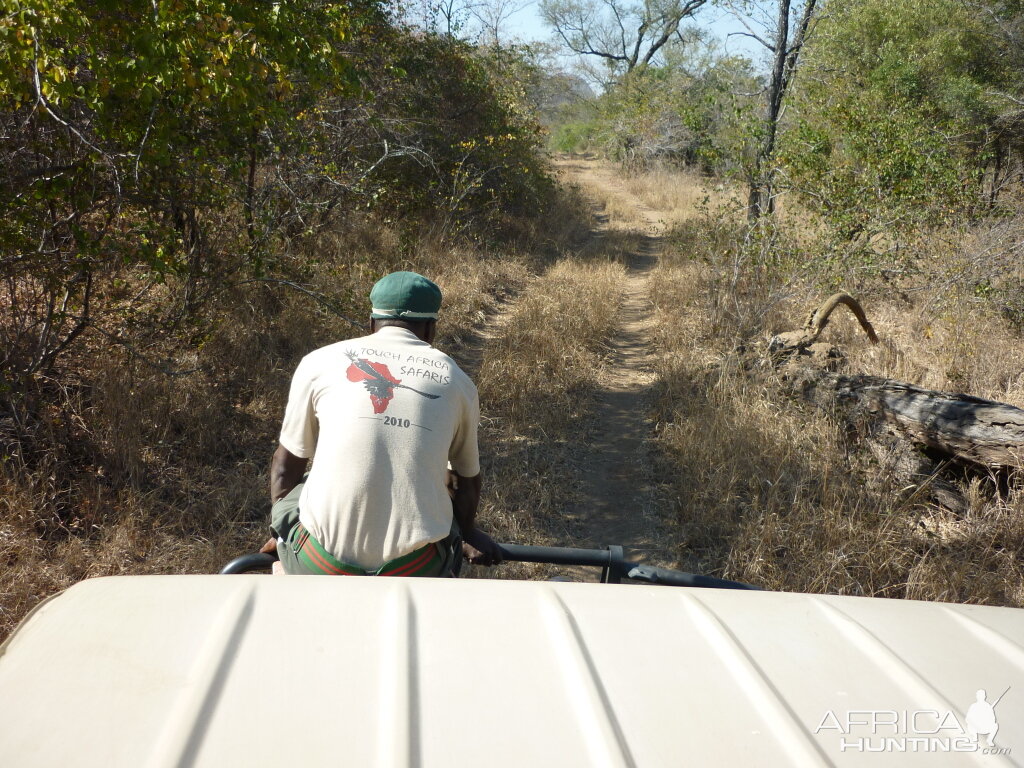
[383, 417]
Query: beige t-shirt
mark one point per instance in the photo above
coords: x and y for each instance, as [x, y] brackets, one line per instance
[381, 416]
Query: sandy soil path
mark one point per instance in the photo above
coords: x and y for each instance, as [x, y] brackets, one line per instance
[617, 503]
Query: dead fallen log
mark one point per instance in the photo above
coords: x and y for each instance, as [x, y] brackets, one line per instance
[971, 429]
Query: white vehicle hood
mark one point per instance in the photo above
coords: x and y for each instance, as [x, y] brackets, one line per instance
[311, 671]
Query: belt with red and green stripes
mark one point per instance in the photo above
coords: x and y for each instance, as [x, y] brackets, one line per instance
[425, 561]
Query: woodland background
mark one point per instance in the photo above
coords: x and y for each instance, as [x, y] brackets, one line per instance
[194, 193]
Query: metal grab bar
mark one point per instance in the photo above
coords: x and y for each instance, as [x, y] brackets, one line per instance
[258, 561]
[616, 567]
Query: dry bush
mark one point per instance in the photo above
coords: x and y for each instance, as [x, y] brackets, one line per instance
[764, 494]
[619, 209]
[602, 187]
[770, 490]
[946, 321]
[665, 195]
[474, 290]
[168, 472]
[154, 461]
[964, 346]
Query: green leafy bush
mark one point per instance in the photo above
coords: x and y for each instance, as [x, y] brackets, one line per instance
[894, 116]
[691, 111]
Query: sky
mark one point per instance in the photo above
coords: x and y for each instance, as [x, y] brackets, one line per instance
[527, 26]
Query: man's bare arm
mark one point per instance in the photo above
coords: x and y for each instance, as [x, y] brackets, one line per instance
[286, 470]
[466, 500]
[477, 546]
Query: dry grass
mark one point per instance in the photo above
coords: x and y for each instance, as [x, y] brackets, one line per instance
[545, 355]
[769, 490]
[663, 197]
[536, 383]
[678, 193]
[163, 473]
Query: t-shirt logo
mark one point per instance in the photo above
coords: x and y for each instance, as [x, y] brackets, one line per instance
[378, 382]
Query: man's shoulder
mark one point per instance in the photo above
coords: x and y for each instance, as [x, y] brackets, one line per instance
[324, 359]
[336, 348]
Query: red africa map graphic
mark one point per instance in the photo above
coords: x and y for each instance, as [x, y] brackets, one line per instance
[378, 382]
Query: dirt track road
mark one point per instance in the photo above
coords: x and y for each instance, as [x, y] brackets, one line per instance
[617, 503]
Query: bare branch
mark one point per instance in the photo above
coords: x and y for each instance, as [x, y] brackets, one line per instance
[763, 42]
[671, 26]
[612, 30]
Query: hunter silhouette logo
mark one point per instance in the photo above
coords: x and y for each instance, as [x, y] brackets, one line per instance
[378, 382]
[981, 717]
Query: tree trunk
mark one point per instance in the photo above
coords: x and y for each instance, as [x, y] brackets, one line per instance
[785, 57]
[977, 431]
[760, 201]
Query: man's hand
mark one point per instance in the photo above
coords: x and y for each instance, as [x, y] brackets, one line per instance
[270, 548]
[480, 549]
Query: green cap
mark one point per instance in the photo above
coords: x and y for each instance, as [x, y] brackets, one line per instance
[405, 296]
